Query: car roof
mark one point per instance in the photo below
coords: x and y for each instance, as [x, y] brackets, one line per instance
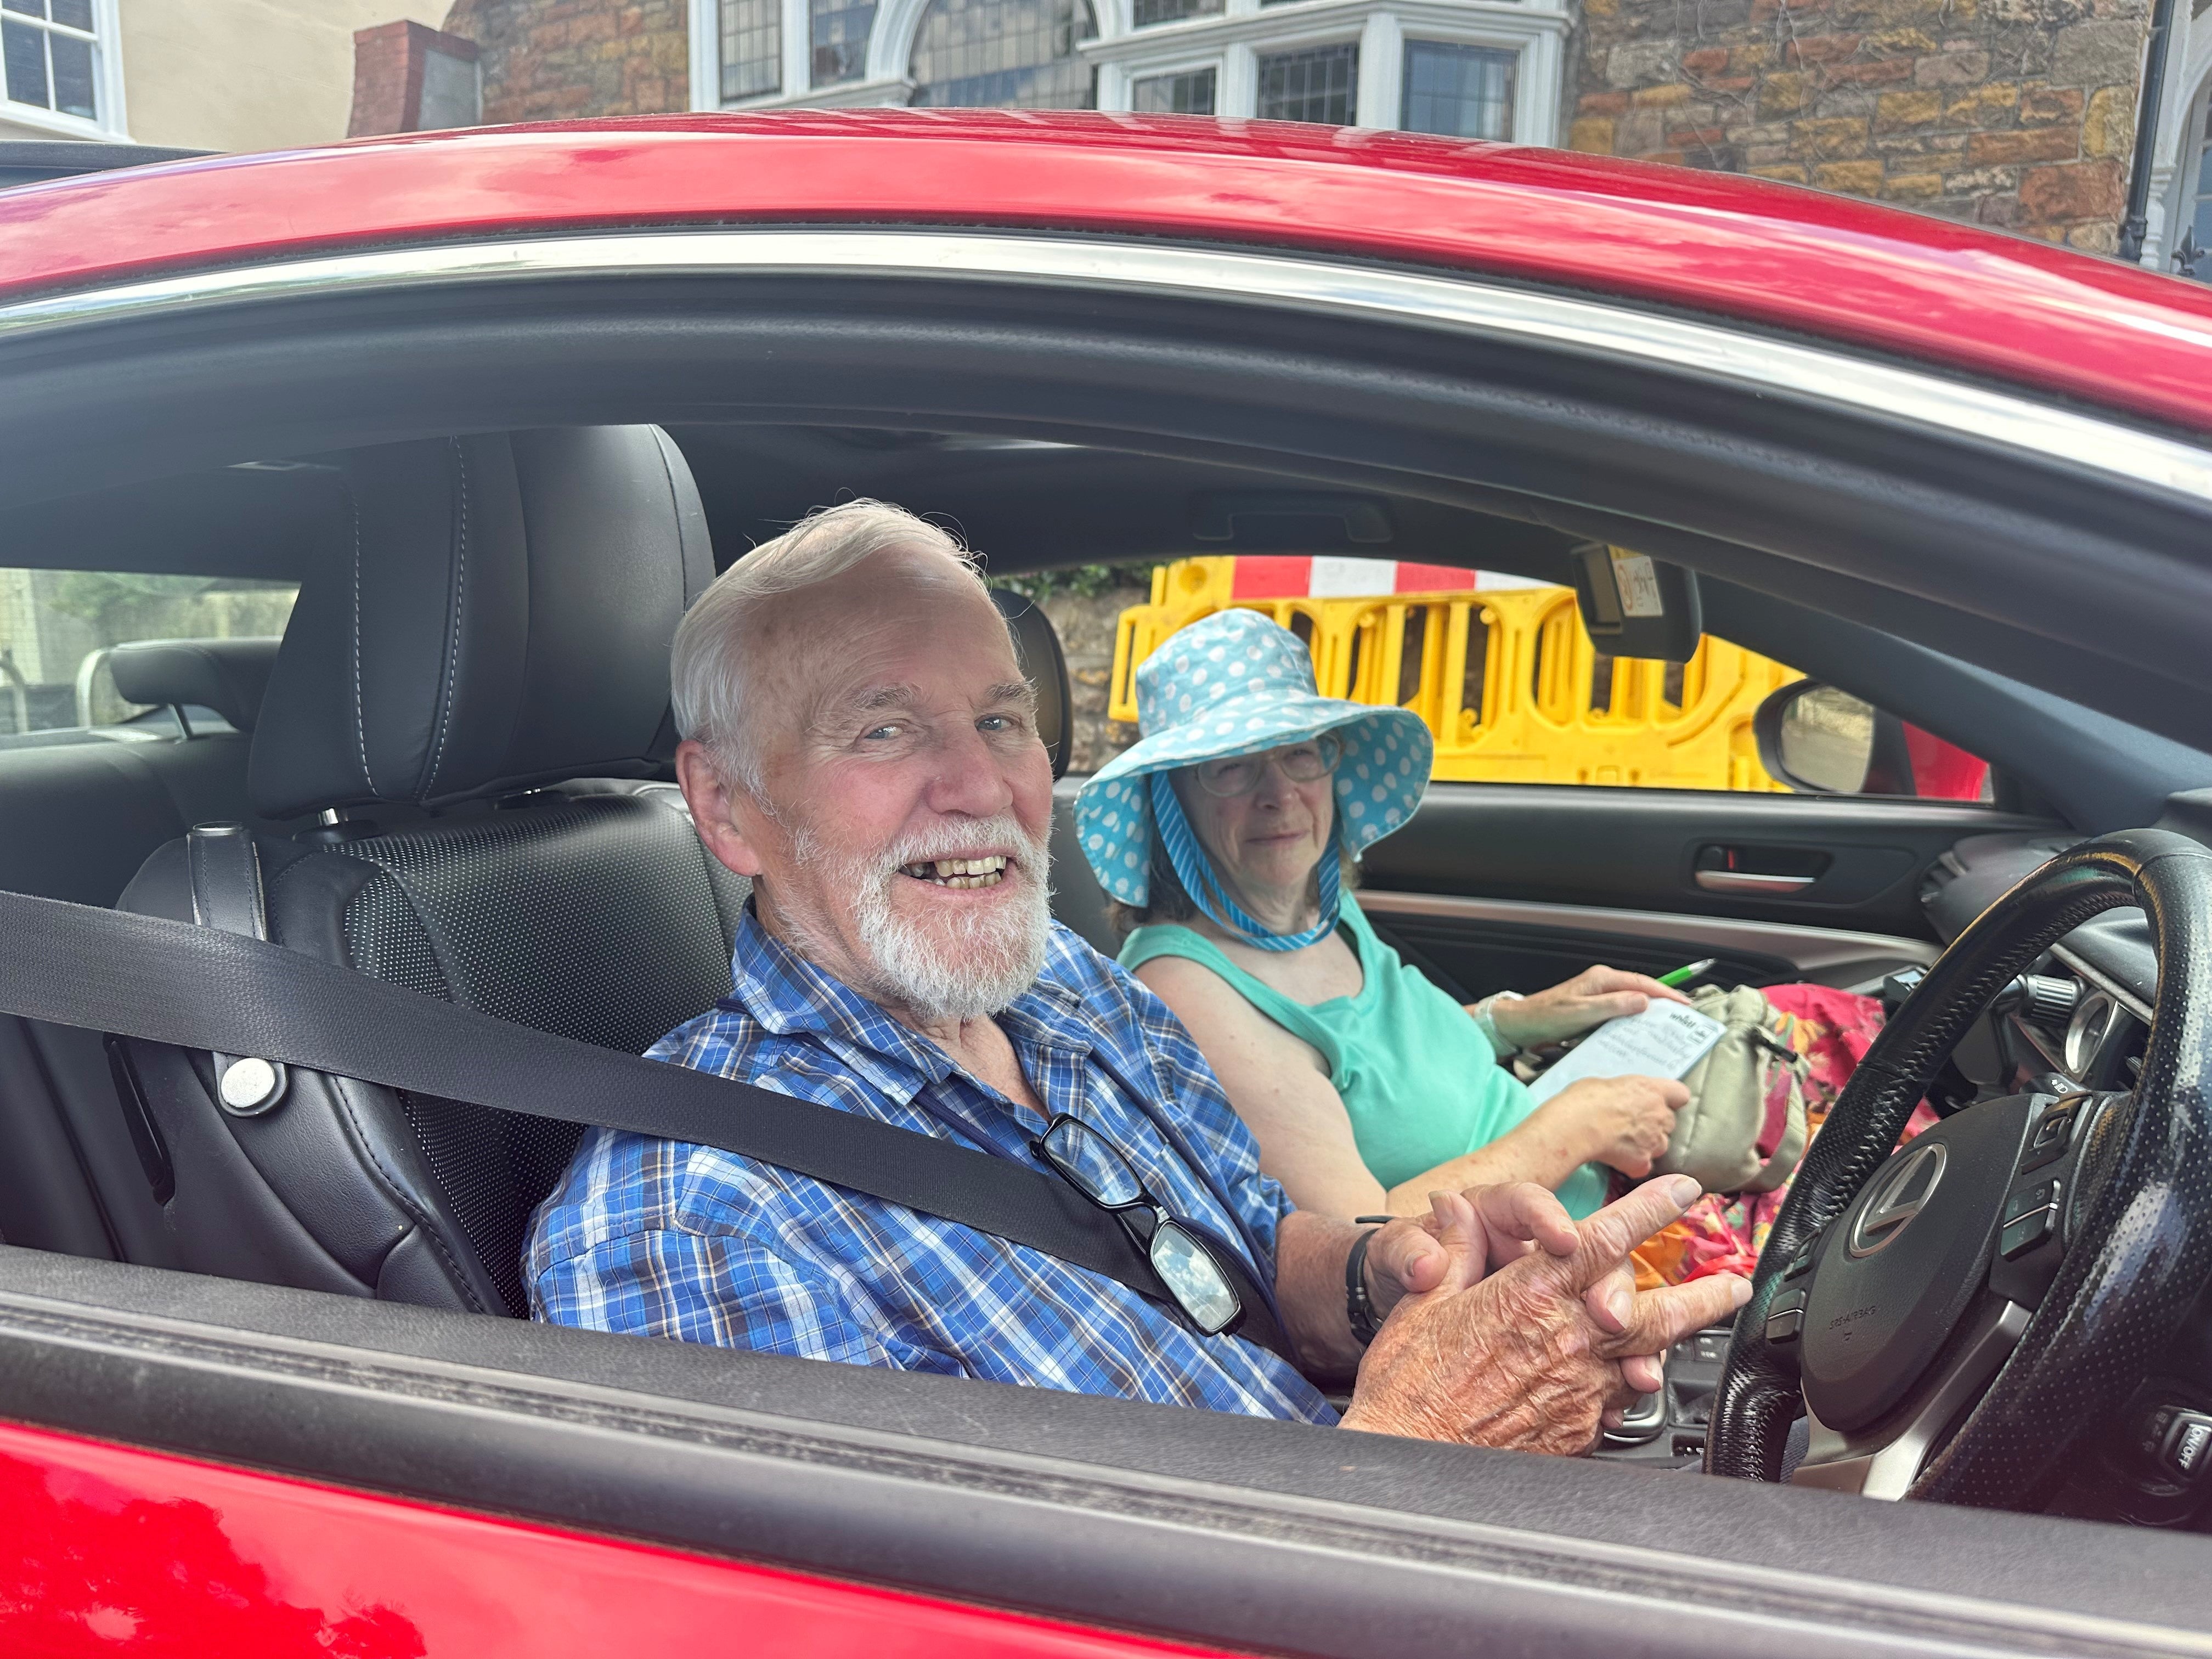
[1994, 306]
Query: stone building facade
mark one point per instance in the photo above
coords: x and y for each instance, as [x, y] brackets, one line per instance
[2018, 114]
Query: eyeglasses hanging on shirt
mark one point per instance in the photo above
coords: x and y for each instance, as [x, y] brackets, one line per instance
[1186, 1265]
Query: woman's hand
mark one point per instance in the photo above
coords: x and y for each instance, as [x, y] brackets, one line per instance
[1624, 1122]
[1581, 1004]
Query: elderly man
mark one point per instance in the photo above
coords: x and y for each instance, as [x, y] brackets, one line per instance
[860, 741]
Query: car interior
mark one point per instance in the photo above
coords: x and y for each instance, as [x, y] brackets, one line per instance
[454, 766]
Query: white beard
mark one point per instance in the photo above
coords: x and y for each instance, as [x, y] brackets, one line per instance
[963, 966]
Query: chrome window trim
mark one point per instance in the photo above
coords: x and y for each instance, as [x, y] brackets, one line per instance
[1616, 332]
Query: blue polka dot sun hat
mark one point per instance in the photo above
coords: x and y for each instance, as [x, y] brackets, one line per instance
[1236, 683]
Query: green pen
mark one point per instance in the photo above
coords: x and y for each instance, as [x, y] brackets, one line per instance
[1682, 977]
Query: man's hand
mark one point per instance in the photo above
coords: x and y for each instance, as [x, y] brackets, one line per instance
[1622, 1121]
[1581, 1004]
[1535, 1354]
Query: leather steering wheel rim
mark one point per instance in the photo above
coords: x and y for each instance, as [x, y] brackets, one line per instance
[2144, 1250]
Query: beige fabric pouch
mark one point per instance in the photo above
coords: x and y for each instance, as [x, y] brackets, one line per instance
[1751, 1079]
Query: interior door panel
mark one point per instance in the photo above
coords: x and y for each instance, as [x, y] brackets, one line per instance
[1645, 849]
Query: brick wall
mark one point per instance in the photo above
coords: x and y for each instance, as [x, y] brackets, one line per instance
[2014, 114]
[549, 60]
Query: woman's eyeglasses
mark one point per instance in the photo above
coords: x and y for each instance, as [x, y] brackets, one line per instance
[1186, 1265]
[1302, 763]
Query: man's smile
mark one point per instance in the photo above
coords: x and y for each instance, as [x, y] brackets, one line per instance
[986, 872]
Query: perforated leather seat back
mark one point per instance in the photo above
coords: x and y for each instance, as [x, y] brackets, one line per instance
[603, 920]
[502, 622]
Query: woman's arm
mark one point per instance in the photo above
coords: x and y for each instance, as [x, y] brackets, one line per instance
[1277, 1085]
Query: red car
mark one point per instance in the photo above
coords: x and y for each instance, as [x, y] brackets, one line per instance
[496, 401]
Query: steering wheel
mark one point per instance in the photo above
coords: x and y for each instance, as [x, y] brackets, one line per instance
[1957, 1316]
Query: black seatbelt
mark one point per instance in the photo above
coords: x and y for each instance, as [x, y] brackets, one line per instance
[233, 994]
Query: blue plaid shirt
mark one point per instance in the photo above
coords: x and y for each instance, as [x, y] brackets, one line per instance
[660, 1238]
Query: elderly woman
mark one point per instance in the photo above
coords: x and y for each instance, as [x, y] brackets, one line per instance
[1221, 838]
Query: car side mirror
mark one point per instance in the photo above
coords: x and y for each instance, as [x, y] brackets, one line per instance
[1635, 606]
[1821, 741]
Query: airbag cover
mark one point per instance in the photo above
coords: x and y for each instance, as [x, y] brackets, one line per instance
[1905, 1261]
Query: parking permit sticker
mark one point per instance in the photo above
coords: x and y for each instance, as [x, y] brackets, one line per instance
[1638, 584]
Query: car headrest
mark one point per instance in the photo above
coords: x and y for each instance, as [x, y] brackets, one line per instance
[227, 676]
[1037, 647]
[496, 614]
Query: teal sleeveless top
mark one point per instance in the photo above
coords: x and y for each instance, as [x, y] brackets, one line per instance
[1418, 1078]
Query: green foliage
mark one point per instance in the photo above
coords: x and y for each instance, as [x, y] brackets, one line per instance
[1084, 581]
[90, 594]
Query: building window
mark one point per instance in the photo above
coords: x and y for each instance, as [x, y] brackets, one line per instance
[1005, 54]
[1320, 85]
[840, 43]
[47, 48]
[1464, 92]
[752, 48]
[1190, 91]
[1143, 14]
[2192, 248]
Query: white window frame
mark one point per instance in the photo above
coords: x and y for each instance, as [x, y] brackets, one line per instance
[1117, 82]
[1236, 38]
[113, 124]
[1230, 42]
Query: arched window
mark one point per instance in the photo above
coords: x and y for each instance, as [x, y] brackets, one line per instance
[2190, 240]
[1005, 54]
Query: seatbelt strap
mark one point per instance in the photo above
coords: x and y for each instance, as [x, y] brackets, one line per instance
[229, 992]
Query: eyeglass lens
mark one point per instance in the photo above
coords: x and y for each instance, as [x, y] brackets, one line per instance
[1091, 1162]
[1188, 1268]
[1302, 763]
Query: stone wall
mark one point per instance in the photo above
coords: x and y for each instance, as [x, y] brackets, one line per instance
[1085, 626]
[2017, 114]
[554, 60]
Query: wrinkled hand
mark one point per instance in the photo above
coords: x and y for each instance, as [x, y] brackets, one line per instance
[1501, 1224]
[1539, 1353]
[1622, 1121]
[1576, 1006]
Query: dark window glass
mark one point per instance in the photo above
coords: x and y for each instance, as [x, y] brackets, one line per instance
[1321, 85]
[1190, 93]
[752, 48]
[76, 14]
[840, 43]
[72, 75]
[29, 8]
[1145, 13]
[25, 50]
[1005, 54]
[1464, 92]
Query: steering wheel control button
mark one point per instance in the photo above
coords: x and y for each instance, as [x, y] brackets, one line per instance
[2023, 1235]
[2048, 1143]
[1784, 1325]
[1801, 1263]
[2028, 1200]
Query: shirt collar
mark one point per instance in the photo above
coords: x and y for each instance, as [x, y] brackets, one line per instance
[773, 985]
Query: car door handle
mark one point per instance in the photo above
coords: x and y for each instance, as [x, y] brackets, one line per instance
[1745, 881]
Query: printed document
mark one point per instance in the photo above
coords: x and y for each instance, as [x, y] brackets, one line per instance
[1665, 1040]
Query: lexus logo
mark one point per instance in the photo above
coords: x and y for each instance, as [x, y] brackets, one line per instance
[1900, 1193]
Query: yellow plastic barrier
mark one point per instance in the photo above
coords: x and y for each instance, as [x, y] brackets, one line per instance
[1507, 681]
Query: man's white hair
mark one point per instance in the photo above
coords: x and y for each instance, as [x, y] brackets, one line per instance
[708, 667]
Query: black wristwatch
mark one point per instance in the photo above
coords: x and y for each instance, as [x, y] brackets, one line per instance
[1359, 1306]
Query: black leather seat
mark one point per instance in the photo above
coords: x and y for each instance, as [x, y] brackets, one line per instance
[503, 626]
[79, 812]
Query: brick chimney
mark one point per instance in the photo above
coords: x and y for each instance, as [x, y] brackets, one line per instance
[409, 77]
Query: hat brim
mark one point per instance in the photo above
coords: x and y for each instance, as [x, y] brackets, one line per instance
[1379, 783]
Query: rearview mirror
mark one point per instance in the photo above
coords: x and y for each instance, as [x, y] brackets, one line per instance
[1635, 606]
